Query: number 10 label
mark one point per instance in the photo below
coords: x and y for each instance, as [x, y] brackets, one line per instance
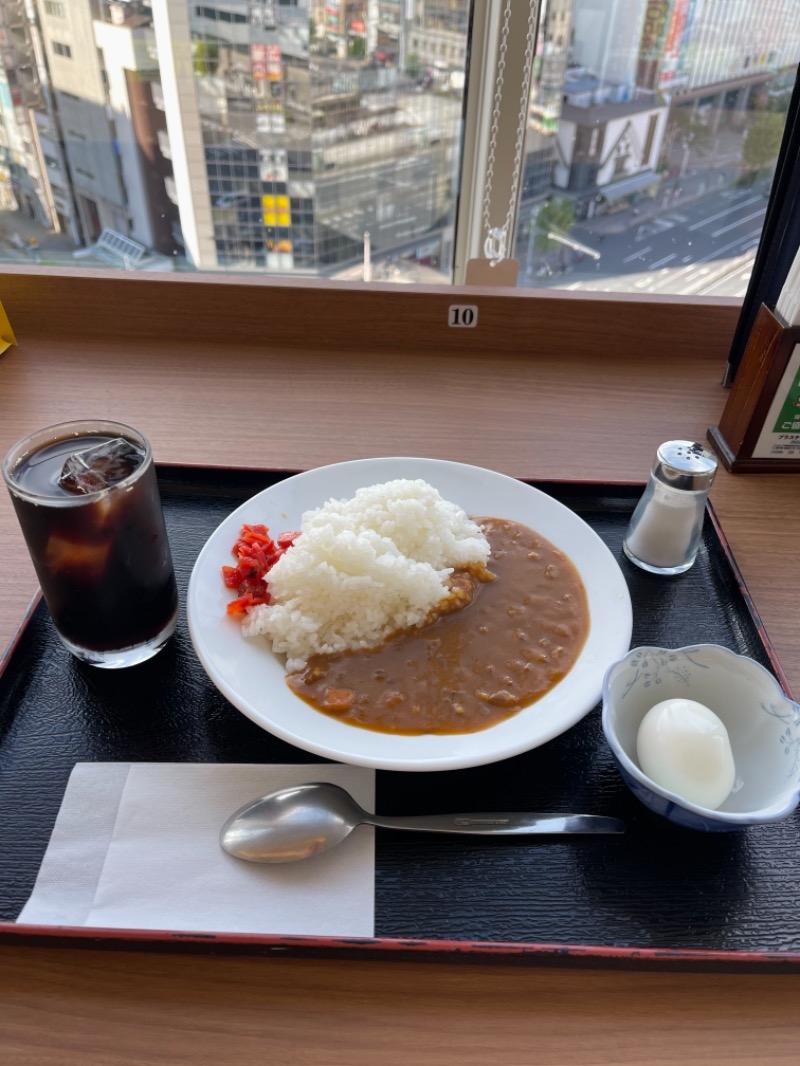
[463, 315]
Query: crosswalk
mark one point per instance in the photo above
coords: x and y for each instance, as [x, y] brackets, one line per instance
[708, 248]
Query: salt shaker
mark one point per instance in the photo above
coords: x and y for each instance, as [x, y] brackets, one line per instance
[666, 527]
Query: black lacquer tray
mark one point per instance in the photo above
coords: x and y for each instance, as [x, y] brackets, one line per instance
[658, 896]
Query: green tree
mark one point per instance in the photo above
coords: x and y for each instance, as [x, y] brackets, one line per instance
[686, 127]
[205, 56]
[356, 47]
[555, 216]
[762, 141]
[413, 65]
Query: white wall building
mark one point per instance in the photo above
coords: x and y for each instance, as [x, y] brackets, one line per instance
[128, 50]
[606, 39]
[723, 40]
[79, 90]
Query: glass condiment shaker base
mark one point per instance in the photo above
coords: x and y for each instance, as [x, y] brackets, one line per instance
[666, 570]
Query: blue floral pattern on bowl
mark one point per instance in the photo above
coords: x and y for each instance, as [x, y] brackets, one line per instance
[650, 666]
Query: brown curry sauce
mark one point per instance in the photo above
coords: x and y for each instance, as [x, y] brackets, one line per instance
[500, 645]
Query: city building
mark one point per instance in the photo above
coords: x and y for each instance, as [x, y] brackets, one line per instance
[655, 87]
[23, 182]
[305, 136]
[78, 85]
[126, 43]
[289, 145]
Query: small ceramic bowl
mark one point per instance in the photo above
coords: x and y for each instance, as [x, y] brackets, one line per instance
[763, 727]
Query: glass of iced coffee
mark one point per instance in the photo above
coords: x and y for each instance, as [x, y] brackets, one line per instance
[88, 503]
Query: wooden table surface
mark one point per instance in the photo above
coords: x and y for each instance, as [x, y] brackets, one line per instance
[547, 412]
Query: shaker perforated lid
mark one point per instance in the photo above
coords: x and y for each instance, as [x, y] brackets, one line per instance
[685, 465]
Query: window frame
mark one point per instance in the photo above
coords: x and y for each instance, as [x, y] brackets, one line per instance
[484, 35]
[484, 46]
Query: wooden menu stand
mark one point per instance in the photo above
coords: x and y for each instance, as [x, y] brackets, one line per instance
[748, 410]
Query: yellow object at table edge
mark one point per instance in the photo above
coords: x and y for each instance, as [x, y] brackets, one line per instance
[7, 337]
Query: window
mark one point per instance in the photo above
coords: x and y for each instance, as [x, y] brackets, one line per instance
[221, 14]
[649, 136]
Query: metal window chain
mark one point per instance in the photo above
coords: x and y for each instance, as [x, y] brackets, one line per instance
[498, 238]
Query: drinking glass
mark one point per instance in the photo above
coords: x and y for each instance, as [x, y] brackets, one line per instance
[87, 500]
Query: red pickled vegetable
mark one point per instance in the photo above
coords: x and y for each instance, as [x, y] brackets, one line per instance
[256, 553]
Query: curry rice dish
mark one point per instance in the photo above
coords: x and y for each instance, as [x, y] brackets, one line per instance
[492, 648]
[399, 613]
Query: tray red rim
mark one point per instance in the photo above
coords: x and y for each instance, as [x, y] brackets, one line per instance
[725, 959]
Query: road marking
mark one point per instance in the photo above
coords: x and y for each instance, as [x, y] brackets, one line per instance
[687, 271]
[723, 273]
[740, 241]
[661, 262]
[637, 255]
[722, 214]
[741, 222]
[657, 225]
[726, 277]
[693, 279]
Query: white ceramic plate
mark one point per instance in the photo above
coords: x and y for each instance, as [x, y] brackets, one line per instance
[252, 678]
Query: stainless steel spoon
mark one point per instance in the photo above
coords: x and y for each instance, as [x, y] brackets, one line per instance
[304, 820]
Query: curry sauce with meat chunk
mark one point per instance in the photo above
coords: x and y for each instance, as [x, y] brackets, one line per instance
[500, 641]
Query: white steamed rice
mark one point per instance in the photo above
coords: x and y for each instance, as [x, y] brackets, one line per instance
[364, 568]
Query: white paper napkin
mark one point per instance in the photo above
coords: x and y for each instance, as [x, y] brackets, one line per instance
[135, 846]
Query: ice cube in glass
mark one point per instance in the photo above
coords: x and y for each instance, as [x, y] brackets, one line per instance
[100, 467]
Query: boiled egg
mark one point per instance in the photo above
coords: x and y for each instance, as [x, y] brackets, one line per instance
[684, 747]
